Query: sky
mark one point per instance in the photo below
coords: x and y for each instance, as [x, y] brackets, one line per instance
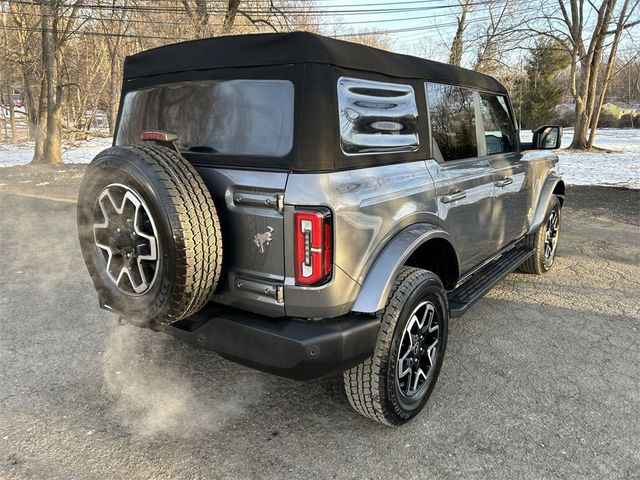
[427, 26]
[430, 22]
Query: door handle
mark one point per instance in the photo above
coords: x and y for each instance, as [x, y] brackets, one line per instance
[504, 181]
[454, 195]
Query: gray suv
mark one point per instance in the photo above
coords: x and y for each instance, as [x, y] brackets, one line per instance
[307, 206]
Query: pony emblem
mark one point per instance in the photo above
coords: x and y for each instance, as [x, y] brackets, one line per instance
[263, 239]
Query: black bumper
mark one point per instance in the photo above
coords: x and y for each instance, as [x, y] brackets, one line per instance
[292, 348]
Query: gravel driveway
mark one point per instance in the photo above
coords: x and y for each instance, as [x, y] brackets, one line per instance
[541, 377]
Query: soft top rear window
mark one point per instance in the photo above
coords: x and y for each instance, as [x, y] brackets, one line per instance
[227, 117]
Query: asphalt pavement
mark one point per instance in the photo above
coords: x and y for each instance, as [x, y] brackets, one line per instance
[541, 378]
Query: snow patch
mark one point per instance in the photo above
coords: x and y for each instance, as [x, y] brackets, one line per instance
[76, 152]
[617, 166]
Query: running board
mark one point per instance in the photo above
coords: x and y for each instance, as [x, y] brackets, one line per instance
[466, 294]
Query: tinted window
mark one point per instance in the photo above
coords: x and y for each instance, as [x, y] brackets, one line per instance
[234, 117]
[377, 117]
[499, 131]
[453, 125]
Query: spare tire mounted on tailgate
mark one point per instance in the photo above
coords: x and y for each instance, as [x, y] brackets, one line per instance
[149, 234]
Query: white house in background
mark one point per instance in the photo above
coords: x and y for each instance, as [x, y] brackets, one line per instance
[616, 109]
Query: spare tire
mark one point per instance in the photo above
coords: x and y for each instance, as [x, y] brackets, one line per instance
[149, 234]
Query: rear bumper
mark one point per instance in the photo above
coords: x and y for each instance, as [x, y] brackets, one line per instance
[292, 348]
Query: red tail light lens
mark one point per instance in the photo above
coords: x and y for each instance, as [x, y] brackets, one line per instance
[158, 135]
[313, 246]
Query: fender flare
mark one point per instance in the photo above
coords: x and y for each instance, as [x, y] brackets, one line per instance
[544, 200]
[379, 280]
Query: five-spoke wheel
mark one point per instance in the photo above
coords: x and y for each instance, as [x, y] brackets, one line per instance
[418, 348]
[551, 236]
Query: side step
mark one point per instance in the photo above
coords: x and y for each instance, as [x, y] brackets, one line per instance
[466, 294]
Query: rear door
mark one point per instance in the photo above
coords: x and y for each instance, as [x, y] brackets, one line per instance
[499, 134]
[464, 182]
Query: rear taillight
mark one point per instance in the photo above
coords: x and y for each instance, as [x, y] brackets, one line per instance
[158, 135]
[313, 242]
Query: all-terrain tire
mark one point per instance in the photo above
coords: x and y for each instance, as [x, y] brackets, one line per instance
[539, 262]
[184, 218]
[371, 387]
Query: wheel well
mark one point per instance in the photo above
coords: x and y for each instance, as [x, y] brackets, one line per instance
[558, 191]
[437, 256]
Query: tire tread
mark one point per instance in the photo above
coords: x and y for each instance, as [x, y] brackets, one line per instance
[363, 386]
[535, 241]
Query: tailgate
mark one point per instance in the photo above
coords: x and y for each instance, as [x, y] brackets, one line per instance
[249, 205]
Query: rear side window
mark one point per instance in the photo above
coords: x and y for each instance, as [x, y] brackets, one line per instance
[377, 117]
[499, 130]
[230, 117]
[453, 123]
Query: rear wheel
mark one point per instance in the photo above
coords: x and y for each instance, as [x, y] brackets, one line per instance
[544, 242]
[394, 385]
[149, 234]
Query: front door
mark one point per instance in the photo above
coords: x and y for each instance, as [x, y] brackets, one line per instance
[509, 169]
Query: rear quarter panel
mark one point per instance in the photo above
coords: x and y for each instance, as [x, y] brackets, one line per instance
[369, 205]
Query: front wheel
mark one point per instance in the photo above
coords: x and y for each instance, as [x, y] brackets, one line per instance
[394, 384]
[544, 242]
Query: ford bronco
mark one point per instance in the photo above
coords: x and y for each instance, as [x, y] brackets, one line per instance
[306, 206]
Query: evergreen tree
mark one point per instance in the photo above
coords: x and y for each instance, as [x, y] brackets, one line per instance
[540, 91]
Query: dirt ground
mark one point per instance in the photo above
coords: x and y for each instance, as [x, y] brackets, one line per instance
[541, 378]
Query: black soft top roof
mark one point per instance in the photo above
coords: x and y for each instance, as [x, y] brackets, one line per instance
[268, 49]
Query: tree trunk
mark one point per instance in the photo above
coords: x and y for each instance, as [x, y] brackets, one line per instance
[230, 15]
[53, 139]
[40, 131]
[202, 18]
[589, 58]
[582, 117]
[595, 117]
[29, 106]
[113, 90]
[455, 56]
[12, 116]
[579, 141]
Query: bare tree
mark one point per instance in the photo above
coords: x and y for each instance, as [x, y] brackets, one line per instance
[6, 79]
[230, 16]
[27, 58]
[59, 22]
[455, 55]
[621, 25]
[498, 35]
[625, 80]
[584, 28]
[113, 22]
[199, 15]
